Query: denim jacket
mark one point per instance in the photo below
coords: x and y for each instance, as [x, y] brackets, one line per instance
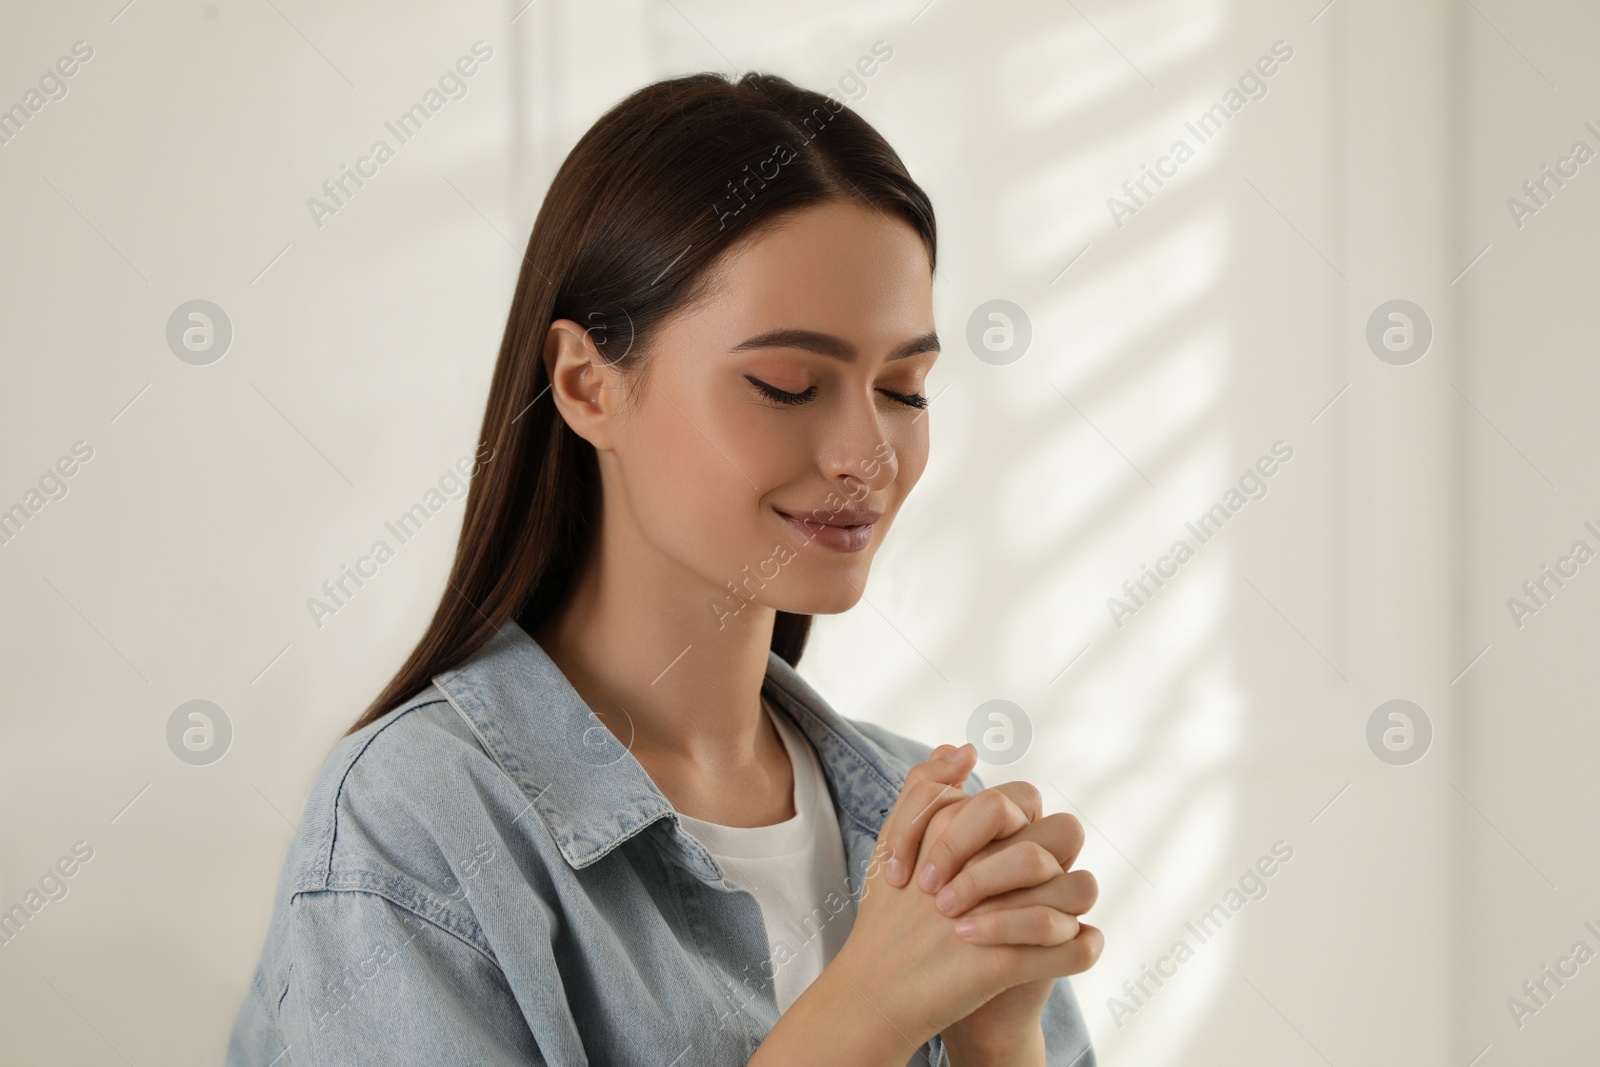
[487, 876]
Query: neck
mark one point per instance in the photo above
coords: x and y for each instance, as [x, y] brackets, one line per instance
[675, 679]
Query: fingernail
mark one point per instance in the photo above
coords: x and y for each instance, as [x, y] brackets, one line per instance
[966, 927]
[928, 878]
[895, 871]
[953, 755]
[946, 899]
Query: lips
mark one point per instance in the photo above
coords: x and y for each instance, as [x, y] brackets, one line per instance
[845, 530]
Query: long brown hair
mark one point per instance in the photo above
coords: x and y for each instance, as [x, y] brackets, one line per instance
[641, 210]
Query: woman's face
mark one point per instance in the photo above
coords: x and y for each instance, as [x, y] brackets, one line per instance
[778, 425]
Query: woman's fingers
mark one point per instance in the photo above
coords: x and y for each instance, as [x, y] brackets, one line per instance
[1055, 944]
[1035, 924]
[1068, 957]
[1060, 834]
[1079, 954]
[997, 812]
[1074, 892]
[929, 786]
[1021, 865]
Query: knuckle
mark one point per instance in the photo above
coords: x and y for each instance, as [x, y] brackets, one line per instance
[1080, 956]
[1039, 859]
[1070, 827]
[949, 807]
[1086, 889]
[942, 852]
[1086, 947]
[995, 803]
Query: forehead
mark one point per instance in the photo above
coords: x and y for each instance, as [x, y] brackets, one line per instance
[838, 267]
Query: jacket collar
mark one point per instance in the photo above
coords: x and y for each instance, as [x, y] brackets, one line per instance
[589, 789]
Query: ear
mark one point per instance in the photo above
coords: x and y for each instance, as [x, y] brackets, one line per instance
[586, 389]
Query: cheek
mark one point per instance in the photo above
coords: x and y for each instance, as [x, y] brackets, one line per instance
[680, 479]
[689, 470]
[911, 452]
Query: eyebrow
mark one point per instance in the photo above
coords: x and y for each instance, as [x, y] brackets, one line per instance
[828, 345]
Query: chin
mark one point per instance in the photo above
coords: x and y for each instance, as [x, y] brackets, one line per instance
[825, 596]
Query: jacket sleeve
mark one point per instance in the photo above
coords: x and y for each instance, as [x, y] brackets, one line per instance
[1066, 1034]
[370, 982]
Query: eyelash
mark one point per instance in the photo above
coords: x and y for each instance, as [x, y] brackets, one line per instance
[911, 400]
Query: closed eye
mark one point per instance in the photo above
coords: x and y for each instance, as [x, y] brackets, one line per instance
[772, 392]
[914, 400]
[781, 396]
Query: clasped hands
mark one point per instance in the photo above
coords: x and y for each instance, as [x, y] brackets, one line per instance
[1001, 870]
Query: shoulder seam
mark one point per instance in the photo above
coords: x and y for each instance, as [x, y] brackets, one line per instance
[333, 813]
[400, 905]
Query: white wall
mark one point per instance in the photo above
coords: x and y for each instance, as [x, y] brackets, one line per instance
[1223, 316]
[1531, 876]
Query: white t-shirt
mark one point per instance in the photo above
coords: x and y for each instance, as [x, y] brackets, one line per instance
[795, 870]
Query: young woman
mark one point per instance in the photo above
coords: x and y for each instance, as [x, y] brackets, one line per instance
[598, 816]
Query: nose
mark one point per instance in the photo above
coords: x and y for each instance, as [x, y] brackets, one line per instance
[856, 449]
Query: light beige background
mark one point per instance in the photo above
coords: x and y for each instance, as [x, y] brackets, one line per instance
[1167, 354]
